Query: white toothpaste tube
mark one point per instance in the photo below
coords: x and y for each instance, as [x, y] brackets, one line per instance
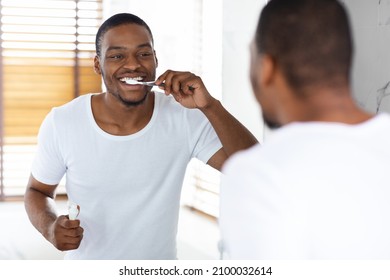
[73, 210]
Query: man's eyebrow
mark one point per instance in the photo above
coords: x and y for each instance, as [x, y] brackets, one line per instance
[125, 48]
[149, 45]
[114, 48]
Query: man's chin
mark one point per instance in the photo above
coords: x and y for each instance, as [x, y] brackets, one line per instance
[133, 102]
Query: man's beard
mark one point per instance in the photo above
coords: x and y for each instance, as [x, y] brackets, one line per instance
[132, 103]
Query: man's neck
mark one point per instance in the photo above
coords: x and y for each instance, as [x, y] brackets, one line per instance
[116, 118]
[330, 105]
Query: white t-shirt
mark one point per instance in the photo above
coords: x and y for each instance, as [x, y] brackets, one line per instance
[128, 187]
[312, 191]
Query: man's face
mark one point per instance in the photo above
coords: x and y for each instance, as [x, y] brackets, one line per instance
[259, 76]
[127, 53]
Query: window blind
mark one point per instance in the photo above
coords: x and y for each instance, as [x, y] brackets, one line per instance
[47, 50]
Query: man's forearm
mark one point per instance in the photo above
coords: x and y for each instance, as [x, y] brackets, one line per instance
[40, 210]
[232, 134]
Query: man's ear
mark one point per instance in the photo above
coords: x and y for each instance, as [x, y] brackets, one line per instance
[96, 65]
[268, 67]
[156, 58]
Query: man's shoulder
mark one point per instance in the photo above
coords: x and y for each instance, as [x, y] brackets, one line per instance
[243, 158]
[76, 102]
[168, 102]
[169, 107]
[276, 147]
[382, 119]
[74, 109]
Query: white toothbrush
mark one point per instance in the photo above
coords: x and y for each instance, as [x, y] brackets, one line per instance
[150, 83]
[135, 82]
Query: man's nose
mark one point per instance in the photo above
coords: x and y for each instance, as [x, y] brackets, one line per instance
[132, 62]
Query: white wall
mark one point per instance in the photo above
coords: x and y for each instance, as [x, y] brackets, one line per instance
[239, 23]
[371, 71]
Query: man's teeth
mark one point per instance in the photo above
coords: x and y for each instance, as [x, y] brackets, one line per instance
[128, 79]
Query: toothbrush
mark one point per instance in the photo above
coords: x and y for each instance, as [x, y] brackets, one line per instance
[150, 83]
[135, 82]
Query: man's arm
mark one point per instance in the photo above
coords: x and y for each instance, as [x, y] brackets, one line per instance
[189, 90]
[232, 134]
[63, 233]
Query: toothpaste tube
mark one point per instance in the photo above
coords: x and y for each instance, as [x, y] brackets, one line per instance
[73, 210]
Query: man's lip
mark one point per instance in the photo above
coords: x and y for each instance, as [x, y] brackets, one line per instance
[129, 86]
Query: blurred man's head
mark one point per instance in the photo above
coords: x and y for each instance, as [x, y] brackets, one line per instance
[306, 44]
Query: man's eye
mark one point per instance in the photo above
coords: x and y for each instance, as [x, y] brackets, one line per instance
[116, 56]
[146, 54]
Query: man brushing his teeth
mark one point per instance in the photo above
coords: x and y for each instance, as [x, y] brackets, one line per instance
[124, 152]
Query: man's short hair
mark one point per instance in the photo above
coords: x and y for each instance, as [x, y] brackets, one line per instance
[309, 39]
[114, 21]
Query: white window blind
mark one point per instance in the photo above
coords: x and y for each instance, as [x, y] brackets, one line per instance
[47, 49]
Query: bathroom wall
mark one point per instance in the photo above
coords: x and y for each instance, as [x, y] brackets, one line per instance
[239, 23]
[371, 70]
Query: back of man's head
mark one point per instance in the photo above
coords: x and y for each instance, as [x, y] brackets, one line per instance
[310, 40]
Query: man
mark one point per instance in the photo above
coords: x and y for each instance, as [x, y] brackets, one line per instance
[319, 188]
[125, 151]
